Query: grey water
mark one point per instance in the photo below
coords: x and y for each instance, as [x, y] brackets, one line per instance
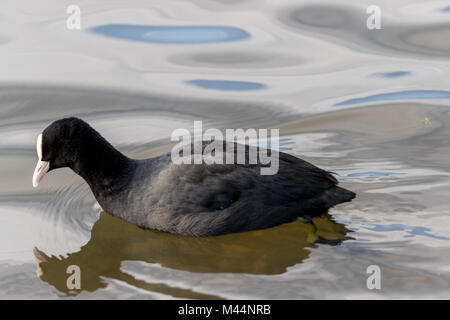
[370, 105]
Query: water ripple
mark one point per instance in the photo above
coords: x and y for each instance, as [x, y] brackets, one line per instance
[399, 95]
[171, 34]
[227, 85]
[411, 230]
[393, 74]
[237, 59]
[347, 25]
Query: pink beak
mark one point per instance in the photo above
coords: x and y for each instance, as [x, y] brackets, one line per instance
[40, 171]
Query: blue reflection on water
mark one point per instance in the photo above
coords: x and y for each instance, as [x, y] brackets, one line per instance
[411, 230]
[227, 85]
[393, 74]
[171, 34]
[374, 174]
[282, 145]
[399, 95]
[366, 176]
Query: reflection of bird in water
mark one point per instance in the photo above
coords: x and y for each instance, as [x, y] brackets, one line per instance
[268, 251]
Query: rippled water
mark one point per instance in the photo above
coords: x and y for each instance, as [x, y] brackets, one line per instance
[370, 105]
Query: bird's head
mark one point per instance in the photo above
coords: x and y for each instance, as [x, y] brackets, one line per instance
[59, 145]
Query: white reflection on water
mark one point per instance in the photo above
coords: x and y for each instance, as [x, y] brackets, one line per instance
[356, 98]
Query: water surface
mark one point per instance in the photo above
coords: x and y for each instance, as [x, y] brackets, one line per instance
[172, 34]
[372, 106]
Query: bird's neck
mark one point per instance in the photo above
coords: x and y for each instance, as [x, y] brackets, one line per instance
[104, 168]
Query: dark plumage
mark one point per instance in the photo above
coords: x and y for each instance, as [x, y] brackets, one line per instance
[189, 199]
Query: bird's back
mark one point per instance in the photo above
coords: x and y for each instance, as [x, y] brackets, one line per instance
[212, 199]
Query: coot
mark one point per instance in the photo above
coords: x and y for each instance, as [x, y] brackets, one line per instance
[189, 199]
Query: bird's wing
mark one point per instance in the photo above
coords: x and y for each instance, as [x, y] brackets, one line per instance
[210, 187]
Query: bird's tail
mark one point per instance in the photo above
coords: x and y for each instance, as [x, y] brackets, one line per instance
[327, 199]
[336, 195]
[343, 195]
